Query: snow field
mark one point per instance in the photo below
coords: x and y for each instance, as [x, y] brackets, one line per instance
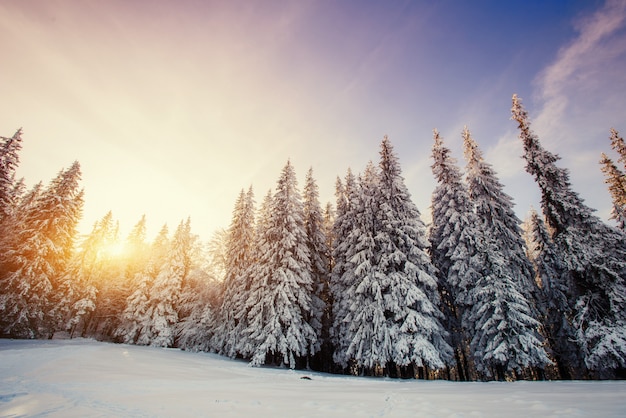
[78, 378]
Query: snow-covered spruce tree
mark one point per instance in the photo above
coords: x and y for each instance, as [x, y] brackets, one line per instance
[11, 192]
[616, 181]
[345, 232]
[453, 248]
[112, 287]
[552, 296]
[200, 297]
[503, 316]
[618, 144]
[123, 273]
[9, 160]
[197, 316]
[319, 254]
[404, 267]
[41, 252]
[363, 340]
[119, 280]
[135, 319]
[593, 253]
[199, 304]
[87, 269]
[164, 295]
[496, 217]
[247, 344]
[325, 355]
[13, 227]
[386, 314]
[236, 285]
[278, 324]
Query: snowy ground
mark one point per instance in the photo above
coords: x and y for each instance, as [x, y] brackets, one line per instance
[80, 378]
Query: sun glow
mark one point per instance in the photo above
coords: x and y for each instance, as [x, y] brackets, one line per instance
[114, 250]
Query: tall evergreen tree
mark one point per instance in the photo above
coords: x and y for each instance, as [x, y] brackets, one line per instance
[87, 269]
[503, 314]
[278, 322]
[39, 256]
[345, 231]
[616, 180]
[386, 313]
[404, 266]
[549, 271]
[124, 278]
[9, 161]
[495, 215]
[363, 338]
[325, 355]
[135, 319]
[236, 285]
[593, 253]
[164, 295]
[247, 344]
[198, 311]
[110, 284]
[13, 227]
[319, 255]
[618, 144]
[454, 238]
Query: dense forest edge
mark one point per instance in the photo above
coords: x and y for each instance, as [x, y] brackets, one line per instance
[361, 287]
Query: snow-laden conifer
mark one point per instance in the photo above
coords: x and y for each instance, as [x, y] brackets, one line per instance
[453, 238]
[503, 316]
[343, 272]
[112, 287]
[121, 280]
[239, 257]
[163, 303]
[364, 337]
[135, 319]
[593, 253]
[552, 300]
[9, 161]
[199, 304]
[281, 293]
[495, 215]
[39, 256]
[13, 227]
[618, 144]
[319, 254]
[405, 268]
[616, 181]
[386, 301]
[87, 269]
[199, 300]
[247, 343]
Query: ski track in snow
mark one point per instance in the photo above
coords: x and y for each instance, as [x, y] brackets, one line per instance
[79, 378]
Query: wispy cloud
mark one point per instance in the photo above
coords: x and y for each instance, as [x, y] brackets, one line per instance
[585, 69]
[581, 94]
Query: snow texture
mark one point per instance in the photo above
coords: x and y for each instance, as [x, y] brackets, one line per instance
[78, 378]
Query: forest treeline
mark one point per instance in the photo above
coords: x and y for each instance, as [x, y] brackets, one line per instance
[362, 287]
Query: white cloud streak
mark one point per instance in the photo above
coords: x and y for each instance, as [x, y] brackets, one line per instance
[583, 69]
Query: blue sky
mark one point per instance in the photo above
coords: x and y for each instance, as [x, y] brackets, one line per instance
[173, 107]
